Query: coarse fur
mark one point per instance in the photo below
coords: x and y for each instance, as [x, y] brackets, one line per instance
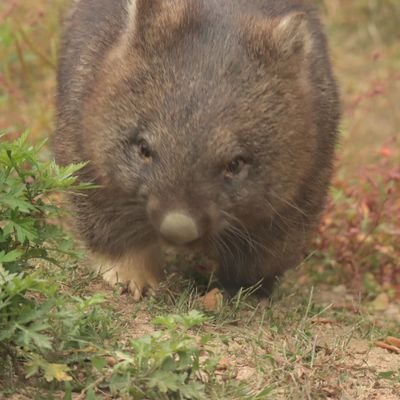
[225, 111]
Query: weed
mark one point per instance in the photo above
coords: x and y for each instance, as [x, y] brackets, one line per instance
[29, 303]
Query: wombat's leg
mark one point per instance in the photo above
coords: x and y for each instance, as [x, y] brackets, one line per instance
[242, 267]
[140, 271]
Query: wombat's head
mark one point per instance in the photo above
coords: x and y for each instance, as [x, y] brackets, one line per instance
[204, 119]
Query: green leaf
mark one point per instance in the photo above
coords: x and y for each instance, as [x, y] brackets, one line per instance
[24, 229]
[388, 374]
[15, 203]
[264, 393]
[166, 381]
[91, 394]
[6, 334]
[188, 321]
[31, 334]
[33, 366]
[67, 391]
[10, 256]
[99, 363]
[35, 314]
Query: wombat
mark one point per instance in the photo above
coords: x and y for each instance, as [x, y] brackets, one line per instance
[208, 125]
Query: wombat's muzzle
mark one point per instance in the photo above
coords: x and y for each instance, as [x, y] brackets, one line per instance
[179, 228]
[179, 225]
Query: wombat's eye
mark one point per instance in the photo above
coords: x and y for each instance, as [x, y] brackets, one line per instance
[234, 167]
[144, 150]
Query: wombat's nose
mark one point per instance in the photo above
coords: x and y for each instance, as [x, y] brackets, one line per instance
[179, 228]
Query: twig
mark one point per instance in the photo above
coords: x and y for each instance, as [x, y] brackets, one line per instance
[93, 385]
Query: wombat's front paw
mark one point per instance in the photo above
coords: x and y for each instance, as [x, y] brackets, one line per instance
[140, 272]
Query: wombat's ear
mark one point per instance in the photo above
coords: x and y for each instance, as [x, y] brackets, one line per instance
[155, 24]
[279, 38]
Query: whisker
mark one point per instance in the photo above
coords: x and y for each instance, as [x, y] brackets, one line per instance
[245, 235]
[224, 246]
[290, 204]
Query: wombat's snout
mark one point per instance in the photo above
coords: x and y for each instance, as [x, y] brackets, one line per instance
[177, 225]
[179, 228]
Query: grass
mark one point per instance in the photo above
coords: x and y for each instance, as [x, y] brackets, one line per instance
[315, 339]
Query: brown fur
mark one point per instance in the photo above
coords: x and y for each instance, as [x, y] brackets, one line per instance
[202, 81]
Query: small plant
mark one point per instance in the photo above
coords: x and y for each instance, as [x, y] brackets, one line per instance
[29, 303]
[23, 322]
[26, 184]
[170, 363]
[164, 365]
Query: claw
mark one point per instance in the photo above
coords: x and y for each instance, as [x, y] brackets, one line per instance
[139, 274]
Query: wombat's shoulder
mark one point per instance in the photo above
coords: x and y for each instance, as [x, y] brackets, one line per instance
[90, 28]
